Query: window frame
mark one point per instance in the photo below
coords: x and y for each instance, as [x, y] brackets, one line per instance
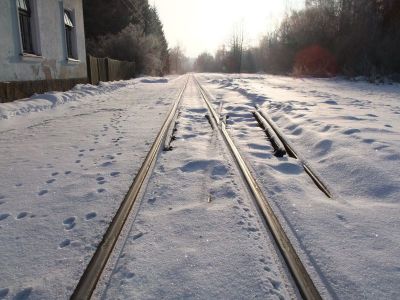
[25, 25]
[28, 47]
[70, 35]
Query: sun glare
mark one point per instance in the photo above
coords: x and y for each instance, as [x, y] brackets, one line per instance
[204, 25]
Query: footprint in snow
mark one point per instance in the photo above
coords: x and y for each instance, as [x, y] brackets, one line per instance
[115, 174]
[23, 294]
[21, 215]
[106, 164]
[50, 181]
[258, 146]
[65, 243]
[368, 141]
[54, 174]
[288, 168]
[4, 293]
[351, 131]
[69, 223]
[220, 170]
[90, 216]
[101, 190]
[4, 216]
[43, 192]
[261, 154]
[341, 217]
[67, 172]
[323, 147]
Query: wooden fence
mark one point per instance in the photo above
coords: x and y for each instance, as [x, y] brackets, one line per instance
[107, 69]
[99, 69]
[14, 90]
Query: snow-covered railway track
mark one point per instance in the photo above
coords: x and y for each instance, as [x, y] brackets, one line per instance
[93, 272]
[301, 277]
[286, 147]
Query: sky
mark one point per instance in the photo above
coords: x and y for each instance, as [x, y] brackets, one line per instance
[205, 25]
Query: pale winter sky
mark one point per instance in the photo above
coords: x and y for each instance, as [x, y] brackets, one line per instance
[204, 25]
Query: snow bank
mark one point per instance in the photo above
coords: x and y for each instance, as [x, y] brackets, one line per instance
[154, 80]
[41, 102]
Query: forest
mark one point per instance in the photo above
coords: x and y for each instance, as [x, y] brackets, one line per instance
[325, 38]
[127, 30]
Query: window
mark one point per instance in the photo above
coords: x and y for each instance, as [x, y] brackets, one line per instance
[25, 23]
[69, 34]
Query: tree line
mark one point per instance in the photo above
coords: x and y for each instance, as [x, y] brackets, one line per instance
[326, 37]
[128, 30]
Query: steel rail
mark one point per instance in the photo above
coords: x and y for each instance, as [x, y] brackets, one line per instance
[279, 148]
[92, 274]
[289, 149]
[299, 273]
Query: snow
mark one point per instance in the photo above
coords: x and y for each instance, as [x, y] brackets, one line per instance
[197, 233]
[68, 159]
[64, 171]
[349, 133]
[50, 100]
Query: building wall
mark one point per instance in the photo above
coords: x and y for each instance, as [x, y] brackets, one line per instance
[51, 62]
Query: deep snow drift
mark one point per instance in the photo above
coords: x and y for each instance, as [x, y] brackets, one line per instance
[349, 132]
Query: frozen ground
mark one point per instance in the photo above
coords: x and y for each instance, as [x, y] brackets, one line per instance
[349, 133]
[67, 161]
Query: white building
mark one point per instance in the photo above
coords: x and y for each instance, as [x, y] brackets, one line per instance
[42, 40]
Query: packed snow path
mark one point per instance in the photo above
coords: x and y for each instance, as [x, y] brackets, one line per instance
[196, 232]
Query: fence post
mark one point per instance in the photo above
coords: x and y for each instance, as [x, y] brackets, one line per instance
[107, 69]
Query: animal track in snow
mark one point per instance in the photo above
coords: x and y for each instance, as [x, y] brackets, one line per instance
[50, 181]
[114, 174]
